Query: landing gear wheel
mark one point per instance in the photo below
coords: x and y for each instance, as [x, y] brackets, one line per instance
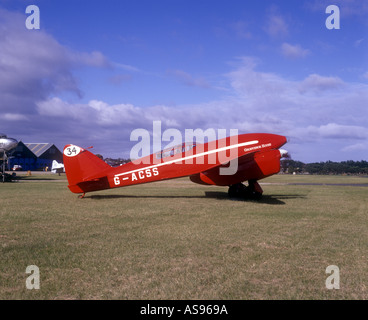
[237, 190]
[253, 191]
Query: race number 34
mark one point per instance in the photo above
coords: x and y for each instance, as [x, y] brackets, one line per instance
[72, 151]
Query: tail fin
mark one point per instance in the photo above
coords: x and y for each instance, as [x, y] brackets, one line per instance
[84, 170]
[54, 166]
[57, 167]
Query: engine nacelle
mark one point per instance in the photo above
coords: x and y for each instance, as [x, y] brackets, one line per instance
[258, 166]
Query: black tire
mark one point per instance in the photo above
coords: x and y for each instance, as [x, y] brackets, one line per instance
[237, 190]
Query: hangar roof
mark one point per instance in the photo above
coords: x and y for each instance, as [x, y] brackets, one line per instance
[38, 148]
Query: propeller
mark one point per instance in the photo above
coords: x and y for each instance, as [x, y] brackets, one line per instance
[284, 154]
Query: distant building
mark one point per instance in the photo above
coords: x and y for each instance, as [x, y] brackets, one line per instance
[35, 156]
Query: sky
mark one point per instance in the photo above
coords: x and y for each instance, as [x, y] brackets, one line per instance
[95, 71]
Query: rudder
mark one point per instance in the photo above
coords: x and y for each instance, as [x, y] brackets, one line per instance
[80, 165]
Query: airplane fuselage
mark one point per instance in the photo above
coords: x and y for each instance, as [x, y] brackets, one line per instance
[254, 156]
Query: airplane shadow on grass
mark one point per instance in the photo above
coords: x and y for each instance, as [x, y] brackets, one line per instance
[266, 199]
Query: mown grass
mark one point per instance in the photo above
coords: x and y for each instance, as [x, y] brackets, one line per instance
[178, 240]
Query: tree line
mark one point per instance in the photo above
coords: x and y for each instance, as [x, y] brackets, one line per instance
[328, 167]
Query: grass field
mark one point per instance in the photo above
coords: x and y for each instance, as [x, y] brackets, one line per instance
[178, 240]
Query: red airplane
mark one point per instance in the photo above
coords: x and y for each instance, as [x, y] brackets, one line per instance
[254, 156]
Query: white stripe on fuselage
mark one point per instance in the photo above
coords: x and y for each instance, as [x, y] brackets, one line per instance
[191, 157]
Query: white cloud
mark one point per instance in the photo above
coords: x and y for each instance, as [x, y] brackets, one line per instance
[357, 43]
[119, 79]
[34, 65]
[241, 29]
[261, 102]
[126, 67]
[276, 26]
[249, 83]
[36, 70]
[188, 79]
[315, 82]
[337, 131]
[55, 107]
[348, 8]
[13, 117]
[93, 59]
[293, 51]
[356, 147]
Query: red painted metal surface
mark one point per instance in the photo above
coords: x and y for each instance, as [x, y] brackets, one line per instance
[254, 156]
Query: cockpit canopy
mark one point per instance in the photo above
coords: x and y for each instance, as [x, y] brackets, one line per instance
[170, 152]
